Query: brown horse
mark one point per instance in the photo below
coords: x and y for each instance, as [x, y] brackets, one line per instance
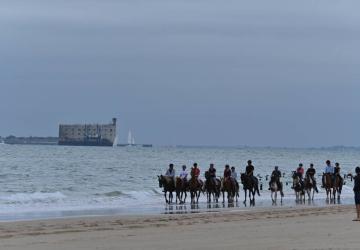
[328, 185]
[168, 184]
[195, 188]
[229, 186]
[212, 187]
[181, 188]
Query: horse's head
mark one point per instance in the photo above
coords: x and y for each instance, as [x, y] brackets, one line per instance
[243, 177]
[178, 181]
[296, 180]
[274, 179]
[207, 175]
[161, 181]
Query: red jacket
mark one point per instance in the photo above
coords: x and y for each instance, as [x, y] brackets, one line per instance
[195, 172]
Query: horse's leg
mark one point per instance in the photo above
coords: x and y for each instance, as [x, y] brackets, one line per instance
[245, 196]
[253, 196]
[251, 192]
[166, 200]
[313, 193]
[223, 194]
[178, 196]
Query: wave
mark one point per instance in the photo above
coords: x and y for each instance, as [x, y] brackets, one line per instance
[36, 197]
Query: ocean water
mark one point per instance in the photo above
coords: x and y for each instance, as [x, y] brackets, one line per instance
[59, 181]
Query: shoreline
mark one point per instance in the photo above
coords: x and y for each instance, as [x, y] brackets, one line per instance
[320, 224]
[126, 221]
[264, 203]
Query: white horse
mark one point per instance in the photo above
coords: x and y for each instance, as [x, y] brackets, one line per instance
[298, 188]
[309, 186]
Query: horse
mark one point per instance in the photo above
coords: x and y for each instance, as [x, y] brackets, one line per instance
[195, 188]
[212, 188]
[181, 188]
[337, 186]
[250, 184]
[298, 188]
[169, 186]
[275, 189]
[328, 185]
[228, 185]
[309, 186]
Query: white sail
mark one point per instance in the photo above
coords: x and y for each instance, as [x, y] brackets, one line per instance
[133, 141]
[115, 141]
[129, 141]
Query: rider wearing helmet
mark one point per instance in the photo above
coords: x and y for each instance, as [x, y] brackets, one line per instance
[212, 173]
[310, 173]
[277, 175]
[227, 172]
[249, 169]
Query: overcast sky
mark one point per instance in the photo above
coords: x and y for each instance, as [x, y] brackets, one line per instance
[191, 72]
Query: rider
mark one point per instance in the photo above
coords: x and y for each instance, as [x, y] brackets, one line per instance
[328, 170]
[183, 174]
[233, 173]
[234, 176]
[170, 172]
[337, 173]
[249, 169]
[310, 173]
[195, 172]
[277, 175]
[300, 171]
[227, 172]
[212, 173]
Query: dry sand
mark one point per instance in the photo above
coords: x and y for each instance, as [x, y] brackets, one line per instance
[277, 228]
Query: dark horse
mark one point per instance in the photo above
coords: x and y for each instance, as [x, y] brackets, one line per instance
[337, 186]
[228, 185]
[195, 188]
[251, 184]
[169, 186]
[212, 188]
[181, 188]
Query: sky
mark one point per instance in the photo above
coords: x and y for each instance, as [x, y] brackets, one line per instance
[184, 72]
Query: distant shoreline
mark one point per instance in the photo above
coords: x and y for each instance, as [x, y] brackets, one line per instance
[51, 140]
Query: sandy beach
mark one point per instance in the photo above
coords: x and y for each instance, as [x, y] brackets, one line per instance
[276, 228]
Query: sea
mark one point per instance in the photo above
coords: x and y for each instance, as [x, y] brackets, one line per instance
[41, 182]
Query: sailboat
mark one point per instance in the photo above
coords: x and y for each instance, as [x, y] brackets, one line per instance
[131, 139]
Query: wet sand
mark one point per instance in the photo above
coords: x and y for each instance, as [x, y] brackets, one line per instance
[328, 227]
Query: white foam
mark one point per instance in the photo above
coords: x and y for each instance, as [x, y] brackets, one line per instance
[36, 197]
